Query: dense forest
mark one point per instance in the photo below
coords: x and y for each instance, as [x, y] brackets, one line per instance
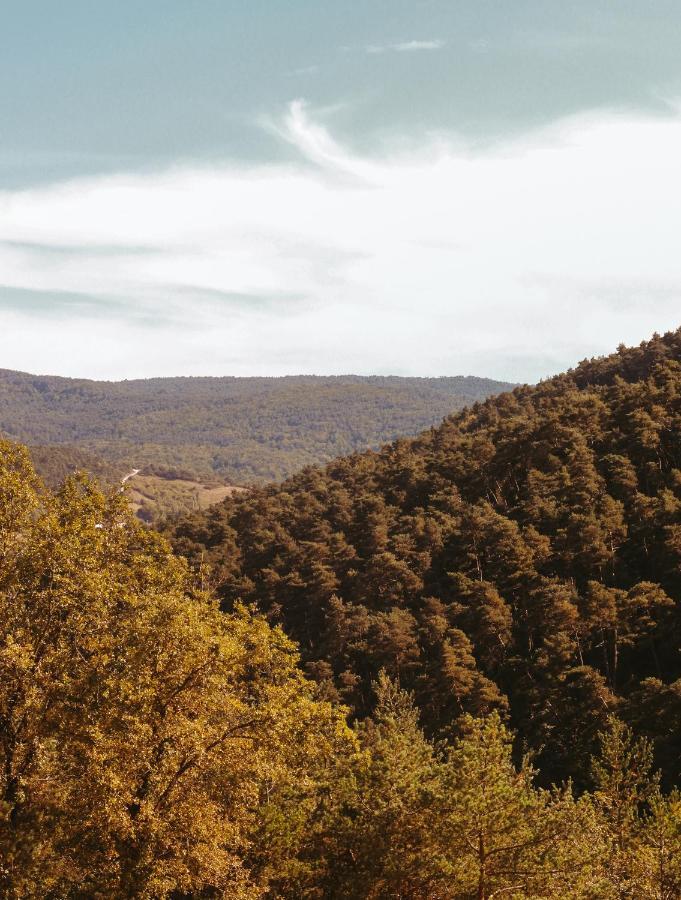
[153, 746]
[522, 559]
[55, 464]
[236, 429]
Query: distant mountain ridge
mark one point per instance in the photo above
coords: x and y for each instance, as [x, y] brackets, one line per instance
[237, 429]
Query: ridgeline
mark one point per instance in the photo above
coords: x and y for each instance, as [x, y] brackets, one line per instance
[238, 430]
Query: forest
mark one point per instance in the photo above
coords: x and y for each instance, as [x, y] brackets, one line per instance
[447, 669]
[523, 558]
[238, 430]
[154, 746]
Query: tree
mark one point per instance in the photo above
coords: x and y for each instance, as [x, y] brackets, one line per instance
[659, 849]
[504, 836]
[624, 785]
[623, 618]
[383, 831]
[148, 742]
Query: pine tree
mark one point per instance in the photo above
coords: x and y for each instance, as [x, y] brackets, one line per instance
[383, 830]
[506, 837]
[624, 786]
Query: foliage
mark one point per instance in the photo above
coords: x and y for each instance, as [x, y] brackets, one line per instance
[236, 429]
[510, 581]
[457, 821]
[55, 464]
[144, 736]
[523, 557]
[152, 746]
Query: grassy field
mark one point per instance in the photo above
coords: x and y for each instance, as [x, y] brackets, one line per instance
[154, 497]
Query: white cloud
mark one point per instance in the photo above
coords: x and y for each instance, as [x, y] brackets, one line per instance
[305, 70]
[405, 47]
[513, 263]
[410, 46]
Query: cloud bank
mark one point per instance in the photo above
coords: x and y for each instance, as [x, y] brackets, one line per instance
[513, 263]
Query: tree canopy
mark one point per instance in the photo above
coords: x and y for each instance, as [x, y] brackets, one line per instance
[484, 699]
[523, 557]
[239, 430]
[145, 737]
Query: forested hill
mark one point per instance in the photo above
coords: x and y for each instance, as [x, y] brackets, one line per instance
[524, 556]
[239, 429]
[152, 746]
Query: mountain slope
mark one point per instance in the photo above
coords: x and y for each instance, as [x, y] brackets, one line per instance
[55, 463]
[238, 429]
[525, 556]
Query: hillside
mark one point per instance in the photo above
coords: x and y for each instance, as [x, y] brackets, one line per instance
[235, 430]
[153, 746]
[154, 493]
[525, 556]
[156, 496]
[55, 463]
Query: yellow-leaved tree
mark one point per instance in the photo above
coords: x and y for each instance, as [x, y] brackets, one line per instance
[149, 744]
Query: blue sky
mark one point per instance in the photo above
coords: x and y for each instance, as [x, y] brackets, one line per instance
[419, 187]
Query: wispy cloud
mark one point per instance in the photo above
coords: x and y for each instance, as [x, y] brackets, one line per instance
[314, 142]
[305, 70]
[405, 47]
[512, 263]
[50, 306]
[543, 42]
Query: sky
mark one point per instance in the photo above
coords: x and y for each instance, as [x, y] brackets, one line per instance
[241, 187]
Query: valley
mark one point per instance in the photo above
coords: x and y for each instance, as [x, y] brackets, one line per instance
[444, 668]
[230, 430]
[276, 624]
